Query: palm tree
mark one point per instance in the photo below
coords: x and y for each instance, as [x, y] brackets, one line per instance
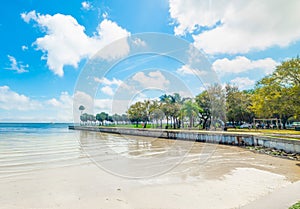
[190, 109]
[81, 108]
[155, 112]
[166, 106]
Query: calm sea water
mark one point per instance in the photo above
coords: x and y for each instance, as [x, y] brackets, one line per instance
[27, 147]
[31, 128]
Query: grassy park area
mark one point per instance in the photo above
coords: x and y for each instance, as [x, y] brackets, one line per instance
[276, 133]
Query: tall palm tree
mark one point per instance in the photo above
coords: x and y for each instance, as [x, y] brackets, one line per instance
[190, 109]
[81, 108]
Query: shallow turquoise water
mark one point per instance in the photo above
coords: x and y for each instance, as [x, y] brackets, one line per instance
[27, 147]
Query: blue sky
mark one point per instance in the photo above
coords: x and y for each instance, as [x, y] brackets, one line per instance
[45, 46]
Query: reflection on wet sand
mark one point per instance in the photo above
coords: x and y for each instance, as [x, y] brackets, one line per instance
[144, 156]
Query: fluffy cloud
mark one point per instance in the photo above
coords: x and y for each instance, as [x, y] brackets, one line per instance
[16, 66]
[64, 101]
[66, 42]
[139, 42]
[108, 84]
[187, 70]
[18, 107]
[107, 90]
[237, 26]
[24, 47]
[61, 108]
[243, 82]
[85, 5]
[64, 108]
[242, 64]
[10, 100]
[105, 81]
[92, 105]
[154, 79]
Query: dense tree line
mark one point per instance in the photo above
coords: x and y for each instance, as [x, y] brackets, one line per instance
[275, 96]
[102, 118]
[177, 112]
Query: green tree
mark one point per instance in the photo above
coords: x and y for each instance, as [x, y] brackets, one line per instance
[116, 118]
[156, 114]
[171, 106]
[217, 99]
[125, 118]
[137, 113]
[238, 104]
[203, 101]
[213, 105]
[277, 95]
[177, 102]
[101, 117]
[81, 108]
[190, 109]
[166, 107]
[84, 118]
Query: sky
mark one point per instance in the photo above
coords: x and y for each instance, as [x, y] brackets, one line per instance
[47, 47]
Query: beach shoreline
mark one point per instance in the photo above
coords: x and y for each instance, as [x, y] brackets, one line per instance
[87, 187]
[231, 177]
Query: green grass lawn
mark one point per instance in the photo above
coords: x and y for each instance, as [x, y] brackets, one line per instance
[290, 134]
[128, 126]
[265, 131]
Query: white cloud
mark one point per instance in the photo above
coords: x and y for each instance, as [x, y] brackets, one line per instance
[189, 15]
[61, 107]
[16, 66]
[108, 82]
[29, 16]
[86, 5]
[237, 26]
[105, 15]
[19, 107]
[24, 48]
[139, 42]
[107, 85]
[187, 70]
[154, 79]
[92, 105]
[108, 32]
[66, 42]
[242, 64]
[107, 90]
[10, 100]
[243, 82]
[64, 101]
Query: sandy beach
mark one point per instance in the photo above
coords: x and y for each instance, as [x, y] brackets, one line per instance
[231, 177]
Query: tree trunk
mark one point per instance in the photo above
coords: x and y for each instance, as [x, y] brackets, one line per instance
[204, 123]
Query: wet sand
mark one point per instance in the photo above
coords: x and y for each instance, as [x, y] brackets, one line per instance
[208, 176]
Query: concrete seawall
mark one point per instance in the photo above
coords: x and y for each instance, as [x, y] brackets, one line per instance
[229, 138]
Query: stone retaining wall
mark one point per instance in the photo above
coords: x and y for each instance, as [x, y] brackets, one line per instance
[238, 139]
